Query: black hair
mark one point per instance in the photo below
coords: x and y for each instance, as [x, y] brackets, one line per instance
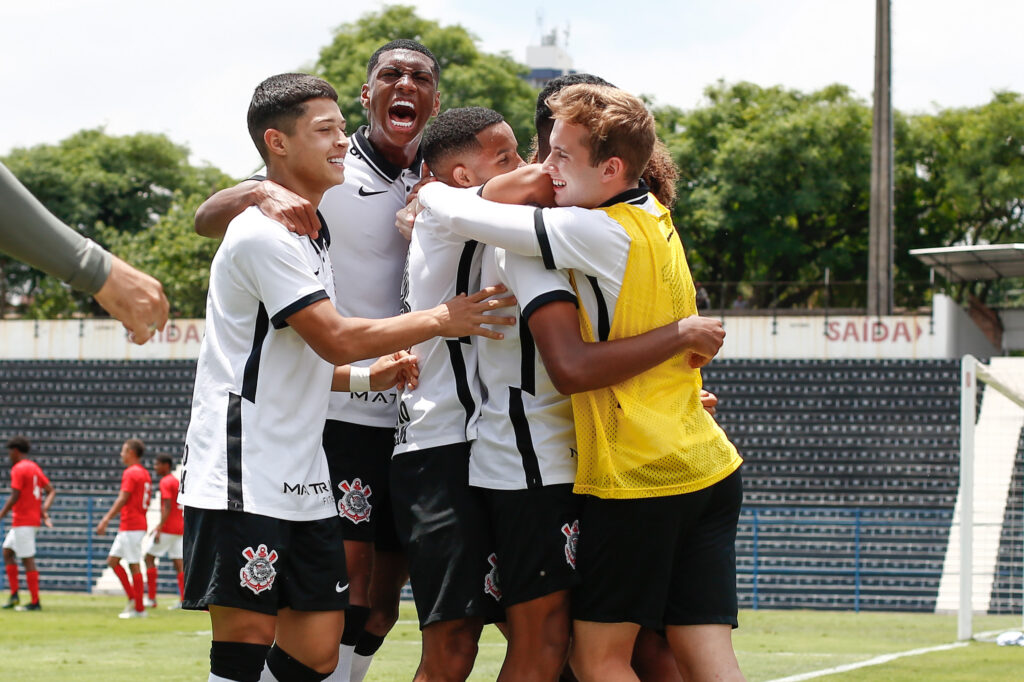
[165, 459]
[454, 132]
[543, 112]
[403, 44]
[19, 443]
[280, 100]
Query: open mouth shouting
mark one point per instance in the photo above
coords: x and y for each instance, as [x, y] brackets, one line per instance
[402, 114]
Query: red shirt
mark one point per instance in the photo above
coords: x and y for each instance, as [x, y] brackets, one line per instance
[29, 480]
[136, 482]
[175, 523]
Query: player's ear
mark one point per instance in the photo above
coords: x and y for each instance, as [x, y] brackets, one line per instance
[612, 169]
[364, 96]
[461, 177]
[276, 141]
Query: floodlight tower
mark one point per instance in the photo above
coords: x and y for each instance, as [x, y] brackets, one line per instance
[880, 239]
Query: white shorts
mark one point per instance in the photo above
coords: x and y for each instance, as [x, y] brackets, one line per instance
[128, 545]
[168, 547]
[22, 541]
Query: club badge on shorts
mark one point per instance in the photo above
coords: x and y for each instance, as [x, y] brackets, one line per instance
[572, 539]
[492, 585]
[355, 501]
[258, 573]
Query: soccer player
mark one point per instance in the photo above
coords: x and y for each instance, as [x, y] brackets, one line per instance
[167, 534]
[383, 166]
[441, 521]
[263, 547]
[649, 456]
[28, 483]
[131, 503]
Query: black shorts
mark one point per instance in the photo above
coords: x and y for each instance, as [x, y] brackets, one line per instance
[358, 458]
[660, 561]
[263, 564]
[442, 524]
[536, 531]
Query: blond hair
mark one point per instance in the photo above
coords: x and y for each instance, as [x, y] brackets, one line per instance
[618, 124]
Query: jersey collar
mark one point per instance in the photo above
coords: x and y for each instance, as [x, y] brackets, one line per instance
[637, 195]
[362, 148]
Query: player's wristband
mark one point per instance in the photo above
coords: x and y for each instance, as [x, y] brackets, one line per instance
[359, 379]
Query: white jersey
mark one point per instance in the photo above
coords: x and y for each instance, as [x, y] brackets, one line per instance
[525, 434]
[260, 398]
[568, 238]
[369, 256]
[444, 407]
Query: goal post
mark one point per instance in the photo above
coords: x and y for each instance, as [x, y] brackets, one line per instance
[972, 374]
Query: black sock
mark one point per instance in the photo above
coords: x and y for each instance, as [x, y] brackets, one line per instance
[355, 621]
[368, 644]
[287, 668]
[237, 660]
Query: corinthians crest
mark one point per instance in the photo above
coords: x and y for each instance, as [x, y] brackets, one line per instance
[572, 538]
[258, 573]
[355, 501]
[492, 585]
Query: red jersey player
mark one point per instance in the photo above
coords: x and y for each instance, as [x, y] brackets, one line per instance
[132, 502]
[28, 483]
[167, 534]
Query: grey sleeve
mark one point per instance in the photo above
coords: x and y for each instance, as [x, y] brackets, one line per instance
[35, 236]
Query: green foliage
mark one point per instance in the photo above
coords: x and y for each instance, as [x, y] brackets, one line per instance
[468, 76]
[120, 191]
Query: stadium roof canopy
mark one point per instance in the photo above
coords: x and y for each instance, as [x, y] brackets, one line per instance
[970, 263]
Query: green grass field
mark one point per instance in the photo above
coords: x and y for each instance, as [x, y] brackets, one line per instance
[79, 637]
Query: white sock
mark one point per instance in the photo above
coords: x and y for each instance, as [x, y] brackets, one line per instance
[360, 664]
[341, 673]
[217, 678]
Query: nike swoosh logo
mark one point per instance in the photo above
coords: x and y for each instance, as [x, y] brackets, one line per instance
[339, 589]
[364, 193]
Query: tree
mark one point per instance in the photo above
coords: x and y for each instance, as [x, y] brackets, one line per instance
[468, 77]
[110, 188]
[773, 184]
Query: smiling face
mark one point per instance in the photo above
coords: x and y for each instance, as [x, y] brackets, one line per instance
[400, 97]
[310, 158]
[498, 154]
[577, 183]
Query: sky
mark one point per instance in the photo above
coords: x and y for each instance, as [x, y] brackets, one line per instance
[187, 69]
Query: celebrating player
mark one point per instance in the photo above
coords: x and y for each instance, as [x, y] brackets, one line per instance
[263, 546]
[383, 165]
[167, 533]
[28, 483]
[131, 503]
[650, 457]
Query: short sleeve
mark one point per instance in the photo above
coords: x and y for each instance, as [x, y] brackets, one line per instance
[533, 284]
[126, 481]
[582, 239]
[270, 262]
[18, 479]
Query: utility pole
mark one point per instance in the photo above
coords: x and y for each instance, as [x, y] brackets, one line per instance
[880, 240]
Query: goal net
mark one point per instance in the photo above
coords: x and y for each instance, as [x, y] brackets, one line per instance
[989, 444]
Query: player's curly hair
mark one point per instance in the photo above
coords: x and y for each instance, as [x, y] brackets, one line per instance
[454, 133]
[662, 174]
[618, 124]
[404, 44]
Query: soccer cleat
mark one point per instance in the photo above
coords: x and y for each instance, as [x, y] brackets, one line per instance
[128, 608]
[132, 614]
[12, 602]
[149, 603]
[175, 606]
[30, 607]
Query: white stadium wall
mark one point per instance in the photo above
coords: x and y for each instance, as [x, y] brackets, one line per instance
[947, 333]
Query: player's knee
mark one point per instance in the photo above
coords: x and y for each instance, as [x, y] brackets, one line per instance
[113, 561]
[383, 617]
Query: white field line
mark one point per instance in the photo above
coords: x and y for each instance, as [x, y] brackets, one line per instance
[877, 660]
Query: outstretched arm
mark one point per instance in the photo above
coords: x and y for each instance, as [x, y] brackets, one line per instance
[575, 365]
[275, 201]
[343, 340]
